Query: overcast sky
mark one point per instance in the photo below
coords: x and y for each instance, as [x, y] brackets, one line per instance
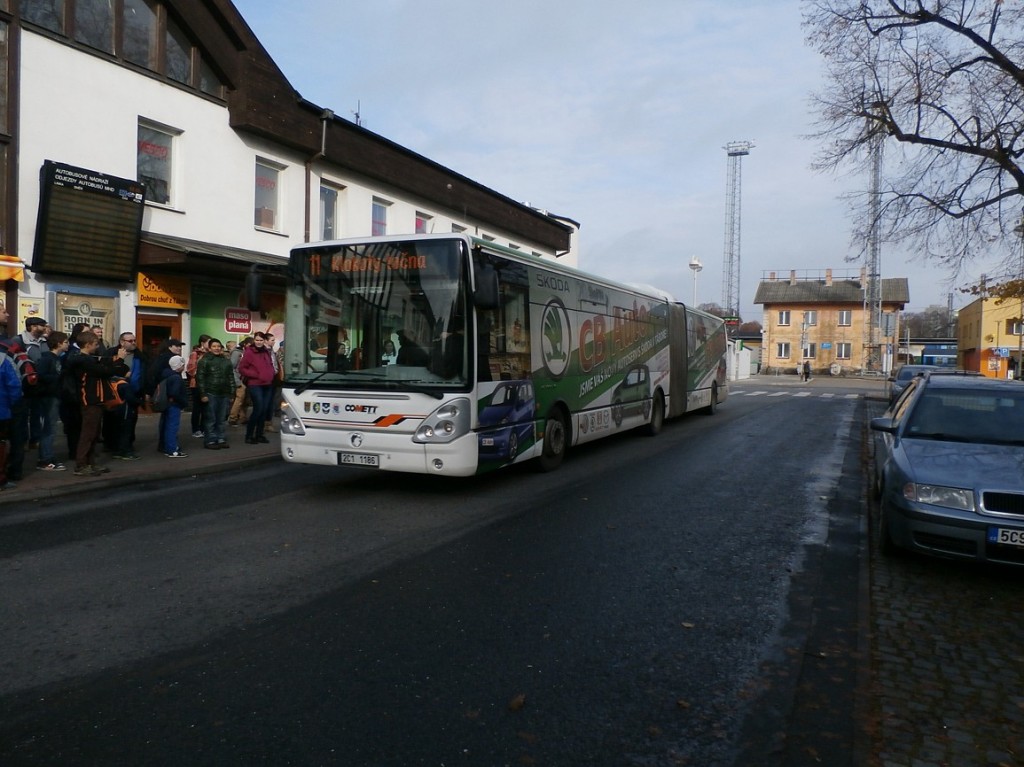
[612, 114]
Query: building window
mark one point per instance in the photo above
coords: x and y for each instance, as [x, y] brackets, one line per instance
[328, 212]
[809, 351]
[140, 34]
[845, 317]
[379, 220]
[154, 163]
[423, 223]
[209, 83]
[784, 318]
[458, 229]
[268, 177]
[782, 350]
[179, 54]
[843, 349]
[94, 24]
[48, 14]
[810, 318]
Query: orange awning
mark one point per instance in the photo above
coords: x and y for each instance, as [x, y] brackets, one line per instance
[11, 268]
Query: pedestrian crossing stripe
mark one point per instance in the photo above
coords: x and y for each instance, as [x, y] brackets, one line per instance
[760, 393]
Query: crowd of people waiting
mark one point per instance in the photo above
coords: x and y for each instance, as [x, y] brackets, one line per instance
[96, 392]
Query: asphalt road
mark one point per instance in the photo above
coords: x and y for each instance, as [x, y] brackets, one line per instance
[652, 602]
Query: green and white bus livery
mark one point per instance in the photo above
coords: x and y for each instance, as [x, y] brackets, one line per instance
[449, 355]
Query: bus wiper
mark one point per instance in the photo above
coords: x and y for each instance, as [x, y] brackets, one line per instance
[303, 386]
[375, 378]
[407, 386]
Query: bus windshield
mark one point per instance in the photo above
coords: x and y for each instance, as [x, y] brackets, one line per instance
[379, 315]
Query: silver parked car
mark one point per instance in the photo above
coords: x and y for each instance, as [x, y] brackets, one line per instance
[949, 468]
[904, 375]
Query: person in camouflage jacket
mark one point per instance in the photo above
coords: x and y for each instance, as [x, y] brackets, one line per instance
[215, 384]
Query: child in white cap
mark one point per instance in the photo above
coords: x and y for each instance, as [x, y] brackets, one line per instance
[177, 397]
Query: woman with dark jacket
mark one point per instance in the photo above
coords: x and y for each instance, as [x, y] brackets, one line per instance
[256, 369]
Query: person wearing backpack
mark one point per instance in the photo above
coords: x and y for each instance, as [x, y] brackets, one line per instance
[177, 398]
[49, 399]
[119, 423]
[34, 341]
[10, 395]
[93, 371]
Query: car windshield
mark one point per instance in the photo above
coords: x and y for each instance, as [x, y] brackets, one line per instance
[968, 416]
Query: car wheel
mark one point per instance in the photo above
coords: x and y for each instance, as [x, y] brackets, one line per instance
[556, 442]
[886, 546]
[513, 445]
[617, 412]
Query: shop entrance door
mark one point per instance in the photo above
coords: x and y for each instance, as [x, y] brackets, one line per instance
[152, 330]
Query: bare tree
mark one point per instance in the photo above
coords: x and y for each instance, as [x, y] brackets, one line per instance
[942, 81]
[933, 322]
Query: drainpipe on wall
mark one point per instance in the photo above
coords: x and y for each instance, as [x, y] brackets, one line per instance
[325, 115]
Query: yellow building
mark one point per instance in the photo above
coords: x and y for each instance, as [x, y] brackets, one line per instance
[812, 318]
[989, 337]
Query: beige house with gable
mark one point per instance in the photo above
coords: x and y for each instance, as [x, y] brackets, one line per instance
[812, 317]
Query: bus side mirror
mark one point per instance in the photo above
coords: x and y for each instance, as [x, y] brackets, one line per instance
[485, 296]
[253, 291]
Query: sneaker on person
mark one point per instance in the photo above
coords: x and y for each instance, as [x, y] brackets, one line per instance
[100, 469]
[127, 456]
[197, 433]
[177, 454]
[86, 471]
[50, 466]
[8, 486]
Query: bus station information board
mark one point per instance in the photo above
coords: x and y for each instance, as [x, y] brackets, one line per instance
[89, 223]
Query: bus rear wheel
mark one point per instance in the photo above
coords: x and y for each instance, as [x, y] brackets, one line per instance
[710, 409]
[556, 442]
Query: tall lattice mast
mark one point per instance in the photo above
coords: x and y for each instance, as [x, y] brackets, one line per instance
[736, 150]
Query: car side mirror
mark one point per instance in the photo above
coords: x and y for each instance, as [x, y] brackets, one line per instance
[883, 424]
[485, 295]
[253, 291]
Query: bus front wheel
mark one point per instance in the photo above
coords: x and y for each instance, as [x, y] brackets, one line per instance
[556, 442]
[653, 427]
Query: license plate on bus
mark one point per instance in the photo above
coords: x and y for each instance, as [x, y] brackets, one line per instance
[359, 459]
[1006, 536]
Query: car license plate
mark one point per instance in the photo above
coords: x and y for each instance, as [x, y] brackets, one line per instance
[359, 459]
[1006, 536]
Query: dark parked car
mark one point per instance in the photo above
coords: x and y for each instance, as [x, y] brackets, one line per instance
[898, 381]
[948, 468]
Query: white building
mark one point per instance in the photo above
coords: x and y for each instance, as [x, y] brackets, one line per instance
[237, 169]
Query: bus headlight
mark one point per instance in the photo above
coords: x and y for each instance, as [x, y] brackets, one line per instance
[448, 422]
[290, 424]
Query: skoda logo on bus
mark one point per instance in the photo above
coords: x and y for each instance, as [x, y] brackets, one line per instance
[556, 341]
[356, 440]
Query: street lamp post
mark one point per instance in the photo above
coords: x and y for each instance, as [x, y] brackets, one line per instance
[1020, 316]
[696, 266]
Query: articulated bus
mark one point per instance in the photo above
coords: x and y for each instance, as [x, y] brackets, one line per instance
[450, 355]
